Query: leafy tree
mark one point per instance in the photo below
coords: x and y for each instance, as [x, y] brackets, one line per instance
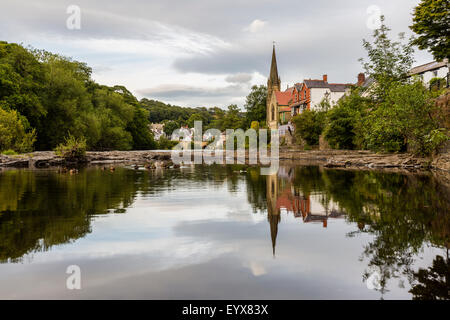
[233, 118]
[255, 105]
[343, 130]
[13, 132]
[404, 120]
[431, 21]
[309, 126]
[139, 128]
[388, 61]
[170, 126]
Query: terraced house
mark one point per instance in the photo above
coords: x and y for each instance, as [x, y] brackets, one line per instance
[283, 105]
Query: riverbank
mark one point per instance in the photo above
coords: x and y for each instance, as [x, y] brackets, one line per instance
[326, 158]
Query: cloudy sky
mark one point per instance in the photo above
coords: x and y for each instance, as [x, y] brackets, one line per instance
[205, 52]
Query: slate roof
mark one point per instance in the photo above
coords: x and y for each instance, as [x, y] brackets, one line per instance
[427, 67]
[334, 87]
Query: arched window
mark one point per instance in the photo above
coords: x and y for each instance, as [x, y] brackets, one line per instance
[273, 113]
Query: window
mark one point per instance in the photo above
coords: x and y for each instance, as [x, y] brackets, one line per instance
[435, 73]
[273, 114]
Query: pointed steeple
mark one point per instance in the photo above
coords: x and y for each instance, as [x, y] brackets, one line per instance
[274, 79]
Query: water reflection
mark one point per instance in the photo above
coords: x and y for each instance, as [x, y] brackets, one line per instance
[400, 214]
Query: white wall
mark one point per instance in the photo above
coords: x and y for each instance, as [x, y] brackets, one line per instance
[441, 73]
[317, 94]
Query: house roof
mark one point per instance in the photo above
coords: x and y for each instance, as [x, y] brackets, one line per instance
[315, 83]
[334, 87]
[428, 67]
[338, 87]
[283, 98]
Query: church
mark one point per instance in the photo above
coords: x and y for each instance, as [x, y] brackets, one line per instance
[281, 106]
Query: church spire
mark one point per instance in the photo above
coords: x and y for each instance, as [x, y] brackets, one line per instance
[274, 79]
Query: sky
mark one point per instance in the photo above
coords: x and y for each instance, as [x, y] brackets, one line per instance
[202, 52]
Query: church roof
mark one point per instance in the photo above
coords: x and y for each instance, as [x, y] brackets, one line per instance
[273, 77]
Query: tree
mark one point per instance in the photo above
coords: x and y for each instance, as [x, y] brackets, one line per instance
[140, 130]
[388, 61]
[170, 126]
[255, 105]
[13, 133]
[343, 129]
[309, 125]
[431, 21]
[233, 118]
[405, 120]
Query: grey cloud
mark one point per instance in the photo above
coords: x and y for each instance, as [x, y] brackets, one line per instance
[239, 78]
[174, 91]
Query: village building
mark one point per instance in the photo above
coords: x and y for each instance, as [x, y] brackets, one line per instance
[431, 70]
[281, 106]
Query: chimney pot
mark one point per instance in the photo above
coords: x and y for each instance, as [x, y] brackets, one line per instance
[325, 78]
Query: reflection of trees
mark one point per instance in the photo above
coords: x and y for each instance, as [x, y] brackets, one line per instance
[433, 283]
[402, 211]
[41, 209]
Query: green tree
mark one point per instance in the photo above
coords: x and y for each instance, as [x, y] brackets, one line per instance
[388, 61]
[13, 133]
[233, 118]
[431, 21]
[139, 128]
[309, 126]
[255, 105]
[170, 126]
[343, 129]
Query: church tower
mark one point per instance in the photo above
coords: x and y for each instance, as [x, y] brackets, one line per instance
[273, 85]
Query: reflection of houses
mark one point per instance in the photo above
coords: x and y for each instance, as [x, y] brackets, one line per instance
[282, 195]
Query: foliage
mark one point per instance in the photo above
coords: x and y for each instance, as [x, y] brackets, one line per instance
[142, 137]
[170, 126]
[431, 21]
[9, 152]
[73, 149]
[404, 120]
[255, 105]
[57, 97]
[344, 130]
[309, 126]
[13, 132]
[388, 61]
[166, 144]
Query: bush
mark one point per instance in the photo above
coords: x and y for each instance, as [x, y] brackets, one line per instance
[73, 149]
[166, 144]
[13, 133]
[309, 125]
[404, 121]
[343, 130]
[9, 152]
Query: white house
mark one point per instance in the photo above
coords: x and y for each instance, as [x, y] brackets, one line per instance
[431, 70]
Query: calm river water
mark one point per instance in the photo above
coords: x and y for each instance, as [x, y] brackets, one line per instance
[224, 232]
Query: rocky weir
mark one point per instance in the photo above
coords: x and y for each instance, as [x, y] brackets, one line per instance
[325, 158]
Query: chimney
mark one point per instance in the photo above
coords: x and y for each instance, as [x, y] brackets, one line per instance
[361, 79]
[325, 78]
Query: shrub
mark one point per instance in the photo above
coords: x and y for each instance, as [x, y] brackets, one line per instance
[309, 125]
[9, 152]
[73, 149]
[343, 130]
